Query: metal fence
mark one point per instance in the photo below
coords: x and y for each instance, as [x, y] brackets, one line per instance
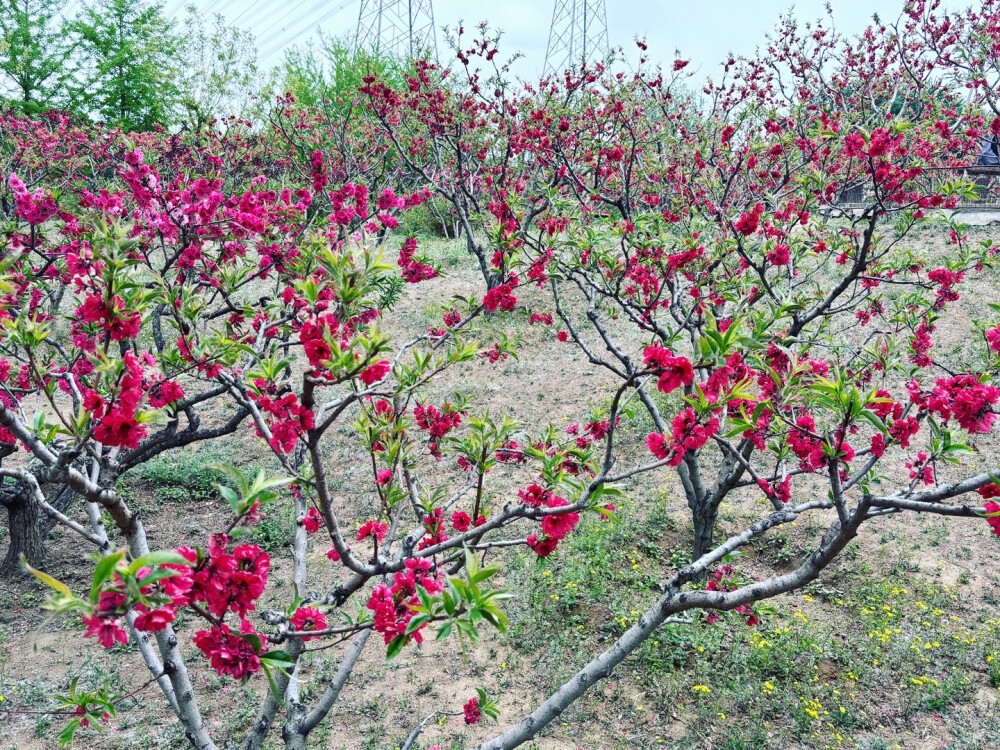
[985, 179]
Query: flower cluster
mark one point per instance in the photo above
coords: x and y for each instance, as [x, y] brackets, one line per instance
[118, 420]
[34, 207]
[675, 372]
[227, 581]
[688, 434]
[965, 398]
[436, 422]
[289, 420]
[391, 604]
[501, 297]
[414, 270]
[555, 526]
[230, 653]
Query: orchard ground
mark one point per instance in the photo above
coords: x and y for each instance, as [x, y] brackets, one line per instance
[895, 646]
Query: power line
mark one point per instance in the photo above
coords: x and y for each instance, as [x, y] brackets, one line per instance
[276, 40]
[212, 5]
[250, 7]
[285, 13]
[277, 46]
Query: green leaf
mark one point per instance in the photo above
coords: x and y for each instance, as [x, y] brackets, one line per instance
[279, 659]
[48, 580]
[425, 598]
[230, 496]
[488, 572]
[160, 557]
[449, 603]
[253, 639]
[157, 575]
[102, 572]
[66, 735]
[395, 646]
[874, 421]
[270, 681]
[415, 624]
[233, 474]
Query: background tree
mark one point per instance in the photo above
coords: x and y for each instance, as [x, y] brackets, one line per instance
[217, 70]
[131, 51]
[35, 51]
[332, 74]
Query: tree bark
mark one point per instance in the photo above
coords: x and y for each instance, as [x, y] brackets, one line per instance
[704, 518]
[25, 531]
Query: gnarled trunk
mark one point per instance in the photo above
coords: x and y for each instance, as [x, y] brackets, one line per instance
[24, 529]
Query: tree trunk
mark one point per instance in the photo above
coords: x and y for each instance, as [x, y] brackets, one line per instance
[25, 532]
[704, 518]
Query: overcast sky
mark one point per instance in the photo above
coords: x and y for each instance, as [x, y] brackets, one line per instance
[703, 31]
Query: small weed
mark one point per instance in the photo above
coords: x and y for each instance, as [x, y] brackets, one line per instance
[276, 529]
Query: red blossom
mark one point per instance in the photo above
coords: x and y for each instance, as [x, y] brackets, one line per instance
[305, 619]
[500, 298]
[375, 372]
[372, 528]
[471, 711]
[312, 521]
[228, 653]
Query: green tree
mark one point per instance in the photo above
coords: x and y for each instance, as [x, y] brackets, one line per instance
[332, 74]
[35, 50]
[217, 70]
[131, 52]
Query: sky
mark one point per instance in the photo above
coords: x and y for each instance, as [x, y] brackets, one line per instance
[703, 31]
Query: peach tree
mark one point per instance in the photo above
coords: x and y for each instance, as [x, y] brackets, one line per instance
[782, 346]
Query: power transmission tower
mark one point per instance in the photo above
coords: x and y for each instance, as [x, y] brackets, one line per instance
[579, 34]
[404, 28]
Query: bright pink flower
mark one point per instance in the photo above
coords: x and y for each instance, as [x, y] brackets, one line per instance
[558, 526]
[989, 490]
[657, 445]
[375, 373]
[993, 338]
[308, 618]
[372, 528]
[312, 520]
[779, 255]
[118, 429]
[471, 710]
[677, 372]
[878, 444]
[854, 144]
[656, 356]
[165, 392]
[749, 220]
[461, 521]
[500, 297]
[228, 653]
[542, 547]
[154, 620]
[108, 629]
[533, 495]
[993, 519]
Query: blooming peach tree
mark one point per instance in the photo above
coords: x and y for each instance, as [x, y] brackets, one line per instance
[783, 348]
